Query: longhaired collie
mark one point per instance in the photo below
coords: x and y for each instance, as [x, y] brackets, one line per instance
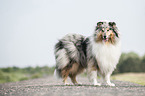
[99, 54]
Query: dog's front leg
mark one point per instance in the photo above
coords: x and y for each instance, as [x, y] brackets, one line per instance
[107, 79]
[93, 77]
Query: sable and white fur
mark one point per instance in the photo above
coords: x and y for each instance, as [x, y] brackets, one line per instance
[98, 54]
[103, 54]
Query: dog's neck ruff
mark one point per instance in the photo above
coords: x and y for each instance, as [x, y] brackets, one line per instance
[106, 55]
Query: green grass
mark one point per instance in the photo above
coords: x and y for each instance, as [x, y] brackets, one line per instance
[13, 74]
[138, 78]
[11, 77]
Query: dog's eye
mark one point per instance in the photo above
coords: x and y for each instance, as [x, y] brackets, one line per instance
[110, 28]
[102, 30]
[107, 30]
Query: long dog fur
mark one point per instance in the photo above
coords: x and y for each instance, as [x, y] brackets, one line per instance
[75, 52]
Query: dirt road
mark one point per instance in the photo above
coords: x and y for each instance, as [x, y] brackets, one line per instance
[51, 87]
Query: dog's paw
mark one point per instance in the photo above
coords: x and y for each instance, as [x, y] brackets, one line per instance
[66, 84]
[111, 84]
[97, 84]
[77, 84]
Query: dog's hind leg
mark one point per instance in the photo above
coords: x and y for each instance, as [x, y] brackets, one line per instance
[65, 74]
[73, 79]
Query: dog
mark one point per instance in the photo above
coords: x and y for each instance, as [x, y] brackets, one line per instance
[98, 54]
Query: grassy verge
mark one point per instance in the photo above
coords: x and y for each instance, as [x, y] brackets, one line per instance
[138, 78]
[13, 74]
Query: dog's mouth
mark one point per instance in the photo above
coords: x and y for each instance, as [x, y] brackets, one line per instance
[105, 39]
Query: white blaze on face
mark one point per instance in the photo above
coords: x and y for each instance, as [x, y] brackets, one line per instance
[108, 33]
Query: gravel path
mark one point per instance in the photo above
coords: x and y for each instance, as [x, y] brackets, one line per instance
[51, 87]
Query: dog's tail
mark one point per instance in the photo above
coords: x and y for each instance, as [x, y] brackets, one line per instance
[57, 74]
[69, 50]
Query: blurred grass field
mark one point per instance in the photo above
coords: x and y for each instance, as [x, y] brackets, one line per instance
[13, 74]
[138, 78]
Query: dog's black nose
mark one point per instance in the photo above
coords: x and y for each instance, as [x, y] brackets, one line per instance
[104, 37]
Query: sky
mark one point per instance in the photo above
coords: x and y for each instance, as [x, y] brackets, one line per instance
[29, 29]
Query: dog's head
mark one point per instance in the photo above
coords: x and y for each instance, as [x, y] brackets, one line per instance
[106, 32]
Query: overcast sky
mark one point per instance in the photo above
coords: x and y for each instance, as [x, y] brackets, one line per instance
[29, 29]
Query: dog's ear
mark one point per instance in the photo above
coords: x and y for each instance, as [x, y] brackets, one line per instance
[113, 24]
[115, 30]
[98, 25]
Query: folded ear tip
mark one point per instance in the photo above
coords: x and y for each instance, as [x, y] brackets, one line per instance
[99, 23]
[112, 23]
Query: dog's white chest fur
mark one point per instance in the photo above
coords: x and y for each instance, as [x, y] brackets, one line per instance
[107, 56]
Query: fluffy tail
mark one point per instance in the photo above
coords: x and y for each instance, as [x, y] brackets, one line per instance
[57, 74]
